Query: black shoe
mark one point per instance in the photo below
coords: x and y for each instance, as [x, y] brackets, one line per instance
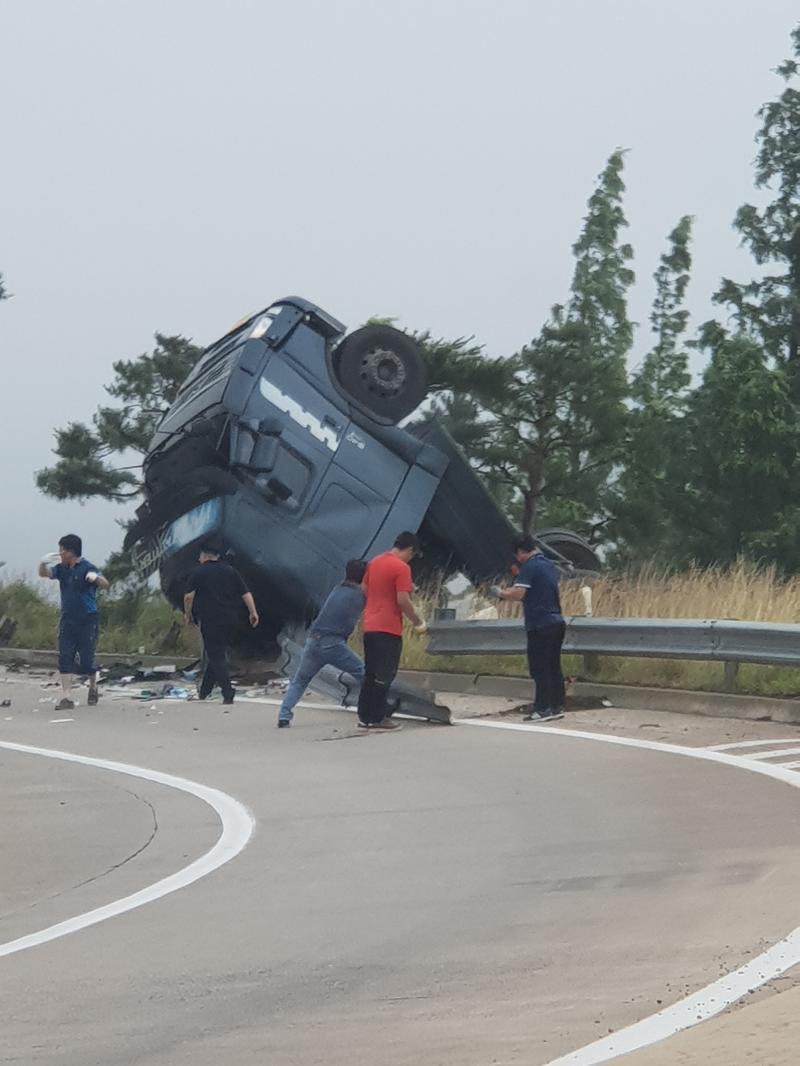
[283, 723]
[537, 716]
[227, 702]
[92, 697]
[547, 715]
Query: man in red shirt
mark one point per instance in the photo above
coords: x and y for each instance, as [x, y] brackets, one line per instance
[388, 587]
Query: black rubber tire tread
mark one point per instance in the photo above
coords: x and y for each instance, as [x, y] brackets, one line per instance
[572, 546]
[348, 363]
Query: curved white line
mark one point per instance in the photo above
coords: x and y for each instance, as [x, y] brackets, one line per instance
[720, 994]
[237, 828]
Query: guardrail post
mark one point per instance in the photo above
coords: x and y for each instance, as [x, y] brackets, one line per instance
[591, 663]
[731, 674]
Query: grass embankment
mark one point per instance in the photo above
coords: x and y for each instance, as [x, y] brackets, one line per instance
[128, 623]
[743, 592]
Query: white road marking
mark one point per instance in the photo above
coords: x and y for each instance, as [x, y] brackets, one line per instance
[237, 828]
[751, 744]
[790, 765]
[53, 721]
[720, 994]
[776, 754]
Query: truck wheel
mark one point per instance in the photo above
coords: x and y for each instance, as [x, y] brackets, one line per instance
[572, 546]
[381, 369]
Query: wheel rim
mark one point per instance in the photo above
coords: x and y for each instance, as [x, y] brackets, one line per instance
[383, 372]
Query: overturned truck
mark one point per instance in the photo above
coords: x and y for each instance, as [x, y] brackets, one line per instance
[283, 443]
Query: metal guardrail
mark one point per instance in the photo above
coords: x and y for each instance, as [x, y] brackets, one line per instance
[715, 640]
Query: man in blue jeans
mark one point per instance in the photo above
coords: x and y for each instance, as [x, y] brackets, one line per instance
[327, 639]
[536, 587]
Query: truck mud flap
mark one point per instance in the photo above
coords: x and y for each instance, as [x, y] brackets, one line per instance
[333, 684]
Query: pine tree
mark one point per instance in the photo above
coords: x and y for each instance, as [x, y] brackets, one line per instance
[653, 472]
[768, 308]
[742, 493]
[546, 426]
[146, 387]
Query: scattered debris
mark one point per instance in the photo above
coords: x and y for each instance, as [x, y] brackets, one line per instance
[17, 666]
[5, 703]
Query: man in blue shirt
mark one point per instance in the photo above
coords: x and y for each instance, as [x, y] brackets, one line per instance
[327, 639]
[536, 586]
[77, 628]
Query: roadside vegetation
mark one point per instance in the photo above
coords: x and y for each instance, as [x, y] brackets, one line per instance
[143, 619]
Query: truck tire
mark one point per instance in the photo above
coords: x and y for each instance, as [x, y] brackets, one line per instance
[382, 371]
[572, 546]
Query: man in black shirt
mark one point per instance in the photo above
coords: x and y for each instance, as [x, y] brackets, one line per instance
[214, 594]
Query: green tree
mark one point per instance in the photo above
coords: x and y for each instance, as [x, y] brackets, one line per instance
[768, 308]
[741, 462]
[742, 490]
[4, 293]
[653, 471]
[88, 455]
[546, 426]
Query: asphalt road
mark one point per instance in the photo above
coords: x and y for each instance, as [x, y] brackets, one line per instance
[441, 895]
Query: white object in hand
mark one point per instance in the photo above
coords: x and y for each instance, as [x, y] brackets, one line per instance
[51, 557]
[421, 628]
[92, 576]
[496, 591]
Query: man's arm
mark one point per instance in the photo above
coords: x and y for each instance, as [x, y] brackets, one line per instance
[47, 566]
[97, 579]
[515, 593]
[407, 607]
[250, 604]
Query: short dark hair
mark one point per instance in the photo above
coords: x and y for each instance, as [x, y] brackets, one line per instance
[405, 540]
[523, 543]
[355, 570]
[210, 547]
[71, 542]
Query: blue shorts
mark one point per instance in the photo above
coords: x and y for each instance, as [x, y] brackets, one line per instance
[77, 638]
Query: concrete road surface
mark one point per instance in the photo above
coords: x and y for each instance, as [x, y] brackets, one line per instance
[441, 895]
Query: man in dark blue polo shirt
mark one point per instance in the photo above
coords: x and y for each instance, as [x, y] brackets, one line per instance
[536, 586]
[77, 629]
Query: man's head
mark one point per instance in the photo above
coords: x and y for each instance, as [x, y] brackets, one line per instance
[354, 571]
[523, 547]
[406, 546]
[69, 548]
[209, 552]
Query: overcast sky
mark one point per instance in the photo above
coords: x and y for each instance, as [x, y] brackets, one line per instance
[173, 165]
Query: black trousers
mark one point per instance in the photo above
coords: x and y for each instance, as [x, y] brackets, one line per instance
[216, 638]
[544, 663]
[381, 660]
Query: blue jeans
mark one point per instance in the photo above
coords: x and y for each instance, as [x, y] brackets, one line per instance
[319, 652]
[77, 638]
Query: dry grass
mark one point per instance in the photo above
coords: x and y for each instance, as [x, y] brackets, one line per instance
[745, 592]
